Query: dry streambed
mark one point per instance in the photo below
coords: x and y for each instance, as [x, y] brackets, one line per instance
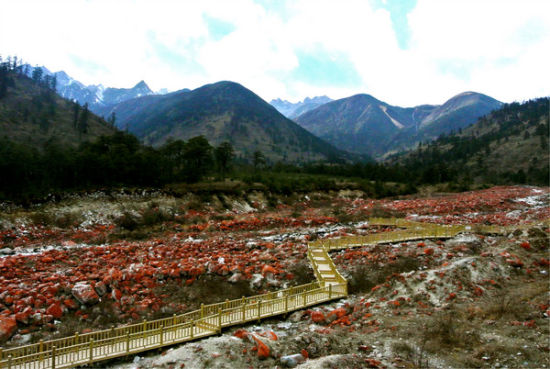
[95, 262]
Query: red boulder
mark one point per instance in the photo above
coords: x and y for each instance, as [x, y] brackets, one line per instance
[317, 317]
[55, 310]
[85, 293]
[8, 326]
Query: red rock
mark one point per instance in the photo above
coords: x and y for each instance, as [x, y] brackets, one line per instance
[428, 251]
[515, 262]
[85, 293]
[266, 269]
[272, 336]
[23, 316]
[263, 349]
[70, 304]
[340, 312]
[304, 353]
[525, 245]
[8, 326]
[317, 317]
[55, 310]
[241, 333]
[372, 363]
[478, 291]
[100, 288]
[116, 294]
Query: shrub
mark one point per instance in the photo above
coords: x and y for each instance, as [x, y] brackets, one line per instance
[41, 218]
[68, 220]
[127, 221]
[448, 329]
[153, 215]
[302, 272]
[364, 277]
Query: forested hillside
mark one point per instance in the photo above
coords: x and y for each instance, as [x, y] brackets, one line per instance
[31, 111]
[510, 145]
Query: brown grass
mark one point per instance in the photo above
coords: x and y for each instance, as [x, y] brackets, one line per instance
[364, 277]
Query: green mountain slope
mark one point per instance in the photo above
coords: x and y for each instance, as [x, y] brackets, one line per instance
[223, 111]
[359, 123]
[364, 124]
[509, 144]
[31, 113]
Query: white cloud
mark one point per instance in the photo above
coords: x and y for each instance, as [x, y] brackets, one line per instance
[496, 47]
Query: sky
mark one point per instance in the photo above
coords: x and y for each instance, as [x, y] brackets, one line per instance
[405, 53]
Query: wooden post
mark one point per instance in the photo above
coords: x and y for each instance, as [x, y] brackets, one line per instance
[40, 349]
[243, 307]
[53, 357]
[192, 329]
[112, 331]
[330, 291]
[202, 311]
[259, 309]
[286, 302]
[91, 350]
[1, 352]
[220, 320]
[161, 334]
[9, 361]
[226, 304]
[304, 299]
[174, 319]
[143, 327]
[128, 342]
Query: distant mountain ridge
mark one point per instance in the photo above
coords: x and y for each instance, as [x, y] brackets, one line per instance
[223, 111]
[293, 110]
[364, 124]
[509, 144]
[96, 96]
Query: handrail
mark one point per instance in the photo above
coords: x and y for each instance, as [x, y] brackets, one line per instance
[129, 339]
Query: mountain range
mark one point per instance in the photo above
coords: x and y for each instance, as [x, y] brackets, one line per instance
[293, 110]
[96, 96]
[508, 144]
[366, 125]
[359, 124]
[223, 111]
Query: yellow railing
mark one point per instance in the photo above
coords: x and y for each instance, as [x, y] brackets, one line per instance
[124, 340]
[130, 339]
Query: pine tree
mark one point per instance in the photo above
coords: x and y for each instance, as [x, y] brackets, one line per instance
[258, 160]
[37, 74]
[76, 111]
[224, 154]
[53, 85]
[112, 119]
[83, 121]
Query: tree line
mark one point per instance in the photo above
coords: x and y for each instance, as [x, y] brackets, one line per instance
[116, 160]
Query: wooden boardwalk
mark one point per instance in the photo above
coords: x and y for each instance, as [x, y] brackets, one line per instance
[131, 339]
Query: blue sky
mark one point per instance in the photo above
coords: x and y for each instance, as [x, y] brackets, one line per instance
[405, 52]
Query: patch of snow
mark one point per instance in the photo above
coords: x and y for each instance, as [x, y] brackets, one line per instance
[535, 201]
[37, 250]
[394, 121]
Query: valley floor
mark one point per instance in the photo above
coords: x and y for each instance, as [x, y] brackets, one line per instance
[475, 300]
